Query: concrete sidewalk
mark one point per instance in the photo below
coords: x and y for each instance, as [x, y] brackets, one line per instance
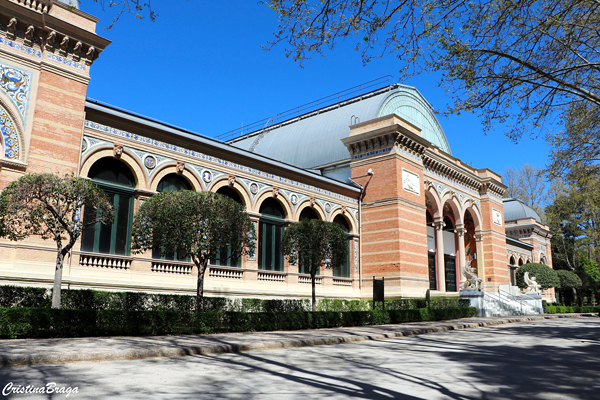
[19, 352]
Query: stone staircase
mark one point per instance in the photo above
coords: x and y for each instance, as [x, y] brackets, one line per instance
[502, 304]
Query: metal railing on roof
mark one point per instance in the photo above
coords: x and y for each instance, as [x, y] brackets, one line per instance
[338, 97]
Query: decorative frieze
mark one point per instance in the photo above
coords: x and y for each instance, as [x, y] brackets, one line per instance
[213, 160]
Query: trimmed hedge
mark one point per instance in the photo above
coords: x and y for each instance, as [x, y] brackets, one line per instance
[47, 322]
[571, 309]
[544, 275]
[85, 299]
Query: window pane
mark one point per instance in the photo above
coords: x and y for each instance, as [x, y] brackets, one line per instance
[122, 220]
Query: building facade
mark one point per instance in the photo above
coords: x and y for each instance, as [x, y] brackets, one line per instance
[377, 163]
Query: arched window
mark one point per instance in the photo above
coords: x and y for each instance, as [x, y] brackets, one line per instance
[344, 270]
[308, 213]
[450, 254]
[431, 250]
[223, 256]
[173, 183]
[118, 182]
[170, 183]
[271, 225]
[513, 270]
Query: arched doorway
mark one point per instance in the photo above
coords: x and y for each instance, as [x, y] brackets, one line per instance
[170, 183]
[116, 179]
[450, 250]
[271, 225]
[223, 256]
[431, 251]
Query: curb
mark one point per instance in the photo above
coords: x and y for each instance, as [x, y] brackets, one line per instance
[403, 330]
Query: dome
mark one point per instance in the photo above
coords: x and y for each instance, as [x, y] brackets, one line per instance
[515, 209]
[314, 139]
[70, 3]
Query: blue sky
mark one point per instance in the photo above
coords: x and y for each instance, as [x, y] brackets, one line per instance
[200, 66]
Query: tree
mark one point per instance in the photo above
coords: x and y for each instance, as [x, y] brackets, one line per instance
[315, 243]
[137, 8]
[577, 145]
[195, 225]
[590, 277]
[529, 59]
[544, 275]
[51, 207]
[526, 184]
[569, 282]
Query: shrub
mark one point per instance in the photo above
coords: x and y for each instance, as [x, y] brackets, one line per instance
[571, 309]
[48, 322]
[544, 275]
[568, 280]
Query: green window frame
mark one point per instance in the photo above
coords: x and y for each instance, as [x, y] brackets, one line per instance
[114, 238]
[270, 257]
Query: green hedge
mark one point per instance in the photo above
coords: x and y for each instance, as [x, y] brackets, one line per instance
[571, 309]
[17, 296]
[46, 322]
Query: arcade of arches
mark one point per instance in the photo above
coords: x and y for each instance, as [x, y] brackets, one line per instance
[413, 213]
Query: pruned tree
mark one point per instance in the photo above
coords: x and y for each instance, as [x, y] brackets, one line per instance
[545, 275]
[315, 244]
[50, 206]
[195, 225]
[523, 61]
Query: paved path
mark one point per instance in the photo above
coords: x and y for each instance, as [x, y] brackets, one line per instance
[544, 359]
[53, 351]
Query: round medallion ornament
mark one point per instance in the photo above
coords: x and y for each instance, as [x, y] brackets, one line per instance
[150, 162]
[207, 176]
[84, 145]
[356, 215]
[253, 188]
[328, 207]
[294, 199]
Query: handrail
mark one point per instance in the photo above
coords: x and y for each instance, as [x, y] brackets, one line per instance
[501, 293]
[347, 94]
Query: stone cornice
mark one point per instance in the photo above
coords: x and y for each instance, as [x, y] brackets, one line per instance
[453, 170]
[27, 26]
[381, 140]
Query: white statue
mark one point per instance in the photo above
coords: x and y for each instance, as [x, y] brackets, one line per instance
[473, 281]
[532, 285]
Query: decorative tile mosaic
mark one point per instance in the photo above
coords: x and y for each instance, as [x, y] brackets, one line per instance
[299, 198]
[20, 47]
[10, 137]
[372, 153]
[66, 61]
[355, 255]
[17, 85]
[254, 187]
[214, 160]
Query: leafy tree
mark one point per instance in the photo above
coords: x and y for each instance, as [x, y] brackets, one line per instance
[544, 275]
[569, 283]
[195, 225]
[51, 207]
[137, 8]
[529, 59]
[315, 243]
[526, 184]
[590, 277]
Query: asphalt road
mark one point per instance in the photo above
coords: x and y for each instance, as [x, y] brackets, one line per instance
[547, 359]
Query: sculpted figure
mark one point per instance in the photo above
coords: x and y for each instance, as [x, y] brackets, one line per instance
[472, 280]
[532, 285]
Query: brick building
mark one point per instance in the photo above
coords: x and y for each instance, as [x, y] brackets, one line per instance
[376, 162]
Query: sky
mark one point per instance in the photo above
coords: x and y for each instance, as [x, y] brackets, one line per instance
[200, 66]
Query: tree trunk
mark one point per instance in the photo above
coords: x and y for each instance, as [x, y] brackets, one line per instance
[200, 284]
[56, 298]
[314, 298]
